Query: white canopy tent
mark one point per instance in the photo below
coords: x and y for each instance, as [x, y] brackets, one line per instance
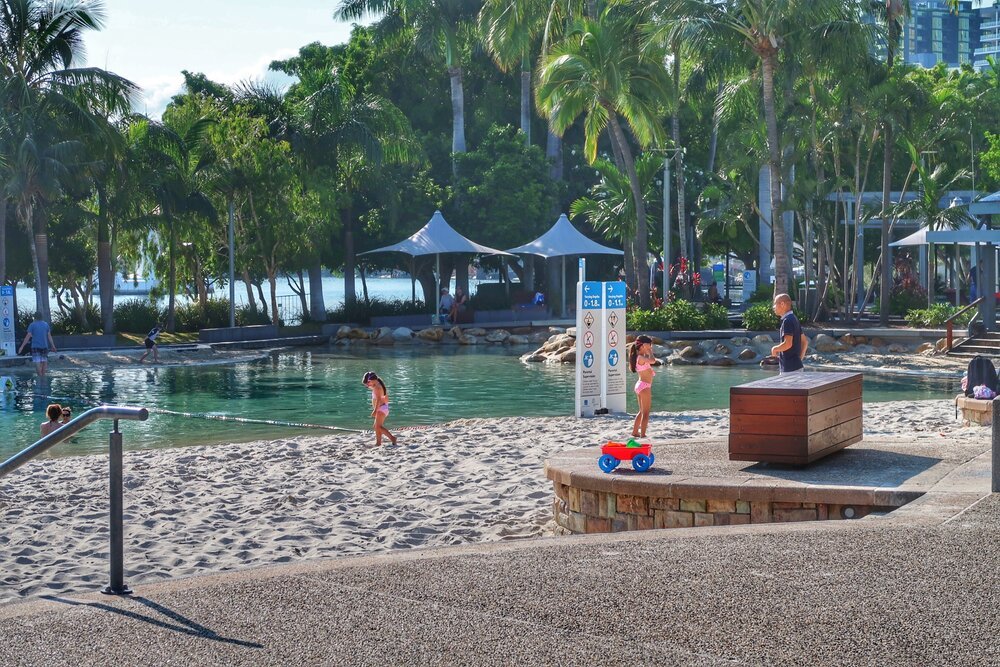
[919, 238]
[563, 240]
[437, 237]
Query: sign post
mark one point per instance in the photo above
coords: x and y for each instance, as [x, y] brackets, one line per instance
[613, 319]
[7, 319]
[749, 284]
[589, 348]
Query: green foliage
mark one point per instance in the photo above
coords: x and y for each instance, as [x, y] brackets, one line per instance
[677, 315]
[936, 316]
[716, 316]
[136, 316]
[247, 316]
[760, 317]
[195, 317]
[362, 313]
[764, 294]
[68, 323]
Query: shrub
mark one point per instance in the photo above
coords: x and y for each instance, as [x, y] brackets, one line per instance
[677, 315]
[760, 317]
[69, 323]
[247, 316]
[136, 316]
[716, 316]
[195, 317]
[362, 313]
[637, 319]
[936, 315]
[764, 294]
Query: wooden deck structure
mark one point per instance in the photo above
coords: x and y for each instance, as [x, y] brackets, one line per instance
[794, 418]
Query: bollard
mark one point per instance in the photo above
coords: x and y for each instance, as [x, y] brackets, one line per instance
[117, 531]
[995, 472]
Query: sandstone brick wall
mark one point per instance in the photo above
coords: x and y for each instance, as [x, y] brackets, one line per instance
[583, 511]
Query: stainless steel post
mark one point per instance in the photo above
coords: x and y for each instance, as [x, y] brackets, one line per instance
[117, 532]
[995, 487]
[232, 268]
[666, 226]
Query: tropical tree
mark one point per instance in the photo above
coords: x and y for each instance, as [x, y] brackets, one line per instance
[601, 71]
[48, 104]
[439, 28]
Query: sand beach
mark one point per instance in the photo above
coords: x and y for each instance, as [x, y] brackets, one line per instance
[199, 510]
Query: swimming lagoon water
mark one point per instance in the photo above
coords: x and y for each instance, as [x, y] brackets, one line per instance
[323, 387]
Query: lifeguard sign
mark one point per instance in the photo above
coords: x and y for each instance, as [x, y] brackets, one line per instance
[7, 319]
[600, 346]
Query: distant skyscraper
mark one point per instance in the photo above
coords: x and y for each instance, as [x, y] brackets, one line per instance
[989, 36]
[935, 34]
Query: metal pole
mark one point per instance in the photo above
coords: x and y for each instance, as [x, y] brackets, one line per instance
[995, 487]
[563, 272]
[666, 226]
[117, 533]
[232, 268]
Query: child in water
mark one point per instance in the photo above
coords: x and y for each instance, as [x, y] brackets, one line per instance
[380, 406]
[640, 360]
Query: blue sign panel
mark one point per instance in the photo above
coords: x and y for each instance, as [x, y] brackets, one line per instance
[7, 290]
[615, 293]
[613, 358]
[588, 359]
[592, 295]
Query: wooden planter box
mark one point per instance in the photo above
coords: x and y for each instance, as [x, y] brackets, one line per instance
[975, 410]
[794, 418]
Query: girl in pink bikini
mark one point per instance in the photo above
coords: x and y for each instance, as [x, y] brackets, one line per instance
[380, 406]
[640, 360]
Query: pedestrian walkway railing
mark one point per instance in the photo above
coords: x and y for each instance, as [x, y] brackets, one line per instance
[950, 322]
[117, 551]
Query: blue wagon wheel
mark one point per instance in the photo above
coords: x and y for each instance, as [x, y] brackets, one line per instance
[652, 458]
[607, 462]
[641, 462]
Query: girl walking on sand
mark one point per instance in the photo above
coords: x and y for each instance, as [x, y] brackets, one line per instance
[640, 360]
[380, 406]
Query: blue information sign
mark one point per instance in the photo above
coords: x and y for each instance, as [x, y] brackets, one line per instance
[592, 295]
[613, 358]
[6, 290]
[615, 293]
[588, 359]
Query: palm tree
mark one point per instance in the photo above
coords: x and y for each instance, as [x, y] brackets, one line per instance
[600, 71]
[48, 106]
[762, 27]
[510, 30]
[438, 28]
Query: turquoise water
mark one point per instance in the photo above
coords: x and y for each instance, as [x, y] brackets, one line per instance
[324, 388]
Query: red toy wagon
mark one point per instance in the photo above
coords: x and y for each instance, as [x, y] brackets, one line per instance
[614, 453]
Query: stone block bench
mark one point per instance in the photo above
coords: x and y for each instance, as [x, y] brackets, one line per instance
[975, 410]
[794, 418]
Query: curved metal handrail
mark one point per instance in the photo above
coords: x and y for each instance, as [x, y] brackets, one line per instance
[116, 553]
[950, 326]
[70, 429]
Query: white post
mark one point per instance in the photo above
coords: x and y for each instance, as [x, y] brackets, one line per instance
[436, 318]
[563, 272]
[232, 269]
[666, 227]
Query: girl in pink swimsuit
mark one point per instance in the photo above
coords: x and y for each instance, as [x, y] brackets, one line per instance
[380, 406]
[640, 360]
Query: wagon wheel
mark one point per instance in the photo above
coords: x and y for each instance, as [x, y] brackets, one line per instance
[607, 462]
[641, 462]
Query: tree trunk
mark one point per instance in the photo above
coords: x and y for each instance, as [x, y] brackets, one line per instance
[457, 112]
[553, 151]
[317, 305]
[885, 288]
[350, 261]
[272, 283]
[263, 300]
[641, 226]
[526, 99]
[40, 261]
[3, 240]
[105, 272]
[172, 278]
[251, 301]
[713, 141]
[301, 291]
[675, 130]
[782, 266]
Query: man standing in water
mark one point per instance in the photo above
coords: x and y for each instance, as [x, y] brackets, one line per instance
[40, 337]
[792, 343]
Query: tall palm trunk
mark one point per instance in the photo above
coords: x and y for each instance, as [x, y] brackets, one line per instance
[553, 151]
[350, 261]
[39, 258]
[641, 226]
[317, 305]
[172, 277]
[675, 130]
[272, 283]
[885, 288]
[457, 111]
[526, 98]
[3, 240]
[713, 141]
[782, 267]
[105, 272]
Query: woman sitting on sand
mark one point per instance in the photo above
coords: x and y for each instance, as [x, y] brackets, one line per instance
[380, 406]
[640, 360]
[54, 413]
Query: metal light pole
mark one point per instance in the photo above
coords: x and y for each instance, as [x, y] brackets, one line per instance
[232, 269]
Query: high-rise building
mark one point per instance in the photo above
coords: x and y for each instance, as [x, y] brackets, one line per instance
[989, 36]
[936, 34]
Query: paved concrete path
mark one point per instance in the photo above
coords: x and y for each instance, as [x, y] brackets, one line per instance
[920, 586]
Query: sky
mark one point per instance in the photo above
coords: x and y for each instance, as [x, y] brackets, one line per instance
[230, 41]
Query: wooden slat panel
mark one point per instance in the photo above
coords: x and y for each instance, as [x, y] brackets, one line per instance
[820, 421]
[791, 445]
[831, 436]
[793, 459]
[770, 424]
[767, 405]
[835, 396]
[796, 383]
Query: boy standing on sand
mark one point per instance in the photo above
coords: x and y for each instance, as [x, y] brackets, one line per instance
[792, 343]
[40, 337]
